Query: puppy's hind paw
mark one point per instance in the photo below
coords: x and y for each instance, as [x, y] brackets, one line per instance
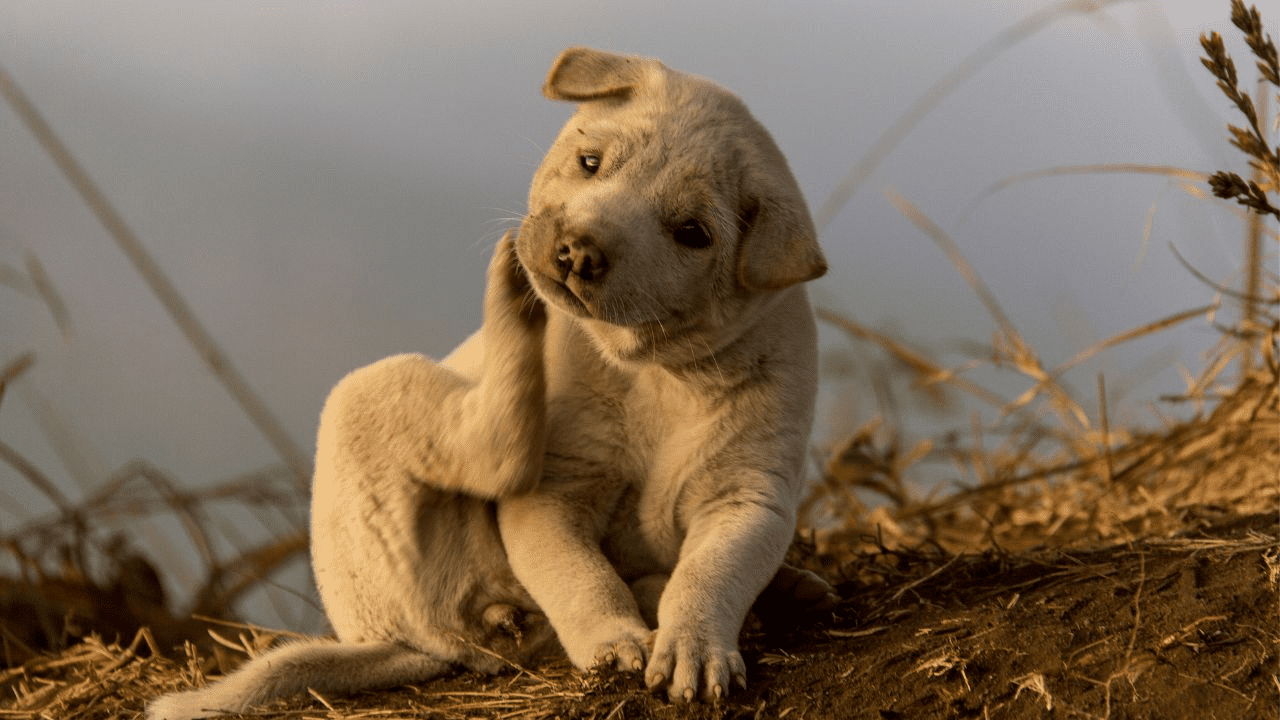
[794, 597]
[509, 292]
[624, 654]
[504, 618]
[623, 644]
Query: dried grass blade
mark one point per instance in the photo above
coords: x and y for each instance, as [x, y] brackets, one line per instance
[1094, 169]
[948, 246]
[921, 365]
[13, 279]
[218, 638]
[1239, 212]
[1213, 284]
[1092, 350]
[44, 287]
[250, 626]
[227, 581]
[926, 578]
[190, 518]
[38, 479]
[1105, 424]
[1009, 343]
[14, 369]
[1150, 328]
[312, 691]
[1253, 239]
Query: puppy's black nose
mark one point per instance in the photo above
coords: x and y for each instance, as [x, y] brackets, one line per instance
[579, 255]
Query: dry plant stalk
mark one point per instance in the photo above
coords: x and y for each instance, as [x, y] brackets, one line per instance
[1251, 140]
[1099, 482]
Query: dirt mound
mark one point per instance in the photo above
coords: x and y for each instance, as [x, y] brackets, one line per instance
[1185, 627]
[1180, 628]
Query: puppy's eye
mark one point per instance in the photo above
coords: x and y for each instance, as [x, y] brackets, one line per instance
[589, 163]
[692, 235]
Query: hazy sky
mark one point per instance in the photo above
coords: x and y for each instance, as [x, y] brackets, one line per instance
[324, 182]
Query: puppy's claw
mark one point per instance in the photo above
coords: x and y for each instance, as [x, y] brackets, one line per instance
[688, 695]
[625, 654]
[510, 292]
[654, 680]
[503, 617]
[740, 681]
[717, 692]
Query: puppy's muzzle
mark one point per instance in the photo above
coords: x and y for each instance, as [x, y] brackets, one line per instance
[581, 257]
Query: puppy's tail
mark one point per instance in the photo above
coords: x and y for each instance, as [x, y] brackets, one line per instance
[324, 665]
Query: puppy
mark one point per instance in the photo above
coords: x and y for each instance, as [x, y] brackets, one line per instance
[617, 449]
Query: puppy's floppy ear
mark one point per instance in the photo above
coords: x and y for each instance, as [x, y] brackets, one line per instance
[779, 246]
[584, 74]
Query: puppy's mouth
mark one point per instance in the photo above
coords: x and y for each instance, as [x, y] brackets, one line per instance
[558, 293]
[570, 299]
[586, 303]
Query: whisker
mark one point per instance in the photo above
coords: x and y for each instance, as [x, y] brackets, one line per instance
[711, 354]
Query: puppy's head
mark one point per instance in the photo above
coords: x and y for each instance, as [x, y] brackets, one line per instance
[664, 216]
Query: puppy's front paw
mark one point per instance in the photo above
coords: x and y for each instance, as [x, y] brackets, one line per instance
[692, 665]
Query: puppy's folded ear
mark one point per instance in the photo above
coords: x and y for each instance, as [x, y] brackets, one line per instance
[779, 247]
[584, 74]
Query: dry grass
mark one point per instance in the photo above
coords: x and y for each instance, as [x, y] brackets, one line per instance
[95, 679]
[1051, 471]
[1101, 484]
[1039, 489]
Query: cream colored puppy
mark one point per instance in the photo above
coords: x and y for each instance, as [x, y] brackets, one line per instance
[641, 422]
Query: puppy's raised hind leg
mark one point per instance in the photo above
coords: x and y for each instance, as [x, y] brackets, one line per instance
[481, 432]
[504, 414]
